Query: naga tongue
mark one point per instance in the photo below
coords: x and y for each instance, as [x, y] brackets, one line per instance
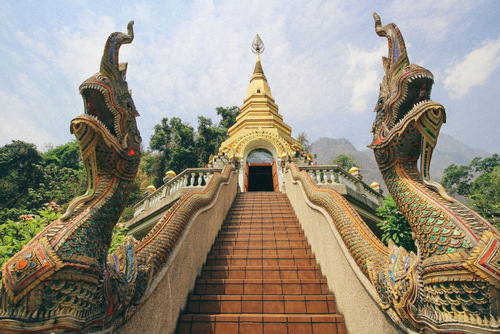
[91, 108]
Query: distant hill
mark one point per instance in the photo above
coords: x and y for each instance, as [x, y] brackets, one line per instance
[448, 151]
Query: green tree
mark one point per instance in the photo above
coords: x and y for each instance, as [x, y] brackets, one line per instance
[228, 116]
[485, 194]
[457, 179]
[346, 161]
[306, 146]
[67, 155]
[480, 182]
[178, 146]
[174, 142]
[28, 179]
[18, 173]
[208, 139]
[394, 226]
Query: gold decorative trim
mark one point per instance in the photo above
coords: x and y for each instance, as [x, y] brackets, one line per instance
[239, 146]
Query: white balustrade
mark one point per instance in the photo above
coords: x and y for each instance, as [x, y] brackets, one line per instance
[331, 174]
[191, 177]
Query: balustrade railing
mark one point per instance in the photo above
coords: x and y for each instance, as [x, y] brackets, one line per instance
[331, 174]
[190, 177]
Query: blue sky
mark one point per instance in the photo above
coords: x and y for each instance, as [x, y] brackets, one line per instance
[322, 61]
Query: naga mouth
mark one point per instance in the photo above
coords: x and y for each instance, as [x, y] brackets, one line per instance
[415, 89]
[100, 108]
[407, 104]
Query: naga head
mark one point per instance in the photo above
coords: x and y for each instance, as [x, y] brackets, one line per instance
[107, 133]
[404, 92]
[407, 124]
[109, 109]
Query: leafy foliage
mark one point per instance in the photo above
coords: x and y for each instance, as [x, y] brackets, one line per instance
[228, 116]
[395, 227]
[15, 234]
[480, 182]
[18, 173]
[174, 141]
[346, 161]
[176, 146]
[29, 178]
[119, 235]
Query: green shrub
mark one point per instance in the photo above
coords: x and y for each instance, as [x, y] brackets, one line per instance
[395, 227]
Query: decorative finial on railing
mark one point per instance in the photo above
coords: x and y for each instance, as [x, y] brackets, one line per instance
[257, 46]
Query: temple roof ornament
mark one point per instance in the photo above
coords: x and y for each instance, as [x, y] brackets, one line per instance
[259, 119]
[257, 46]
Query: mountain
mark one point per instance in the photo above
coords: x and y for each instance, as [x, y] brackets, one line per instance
[448, 151]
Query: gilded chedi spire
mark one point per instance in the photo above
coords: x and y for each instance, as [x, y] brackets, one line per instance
[259, 116]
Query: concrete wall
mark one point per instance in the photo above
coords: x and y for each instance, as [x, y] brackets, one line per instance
[355, 297]
[176, 280]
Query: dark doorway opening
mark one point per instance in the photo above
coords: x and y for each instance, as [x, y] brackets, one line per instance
[260, 177]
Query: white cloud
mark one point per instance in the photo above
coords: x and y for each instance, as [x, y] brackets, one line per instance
[434, 20]
[473, 70]
[364, 67]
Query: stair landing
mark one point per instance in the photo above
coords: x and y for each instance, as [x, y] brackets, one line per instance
[261, 276]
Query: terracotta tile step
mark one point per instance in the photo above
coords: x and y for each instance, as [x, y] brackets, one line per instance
[268, 215]
[261, 323]
[271, 242]
[246, 213]
[260, 260]
[263, 220]
[259, 234]
[260, 199]
[248, 229]
[269, 207]
[255, 214]
[263, 207]
[261, 237]
[259, 227]
[261, 286]
[274, 197]
[261, 250]
[261, 272]
[215, 304]
[241, 224]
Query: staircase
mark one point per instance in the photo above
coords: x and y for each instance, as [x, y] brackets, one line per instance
[261, 276]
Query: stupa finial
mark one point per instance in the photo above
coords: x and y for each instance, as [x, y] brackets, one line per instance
[257, 46]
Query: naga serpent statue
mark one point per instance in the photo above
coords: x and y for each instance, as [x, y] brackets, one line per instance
[452, 284]
[63, 280]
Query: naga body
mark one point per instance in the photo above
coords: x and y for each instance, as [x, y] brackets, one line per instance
[452, 284]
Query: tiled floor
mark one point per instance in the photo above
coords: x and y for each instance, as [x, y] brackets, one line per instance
[261, 276]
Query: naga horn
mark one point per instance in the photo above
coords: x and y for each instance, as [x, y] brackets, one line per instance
[109, 62]
[397, 47]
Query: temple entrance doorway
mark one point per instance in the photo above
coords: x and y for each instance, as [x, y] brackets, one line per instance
[260, 171]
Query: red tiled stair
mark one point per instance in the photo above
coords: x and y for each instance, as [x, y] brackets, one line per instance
[261, 276]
